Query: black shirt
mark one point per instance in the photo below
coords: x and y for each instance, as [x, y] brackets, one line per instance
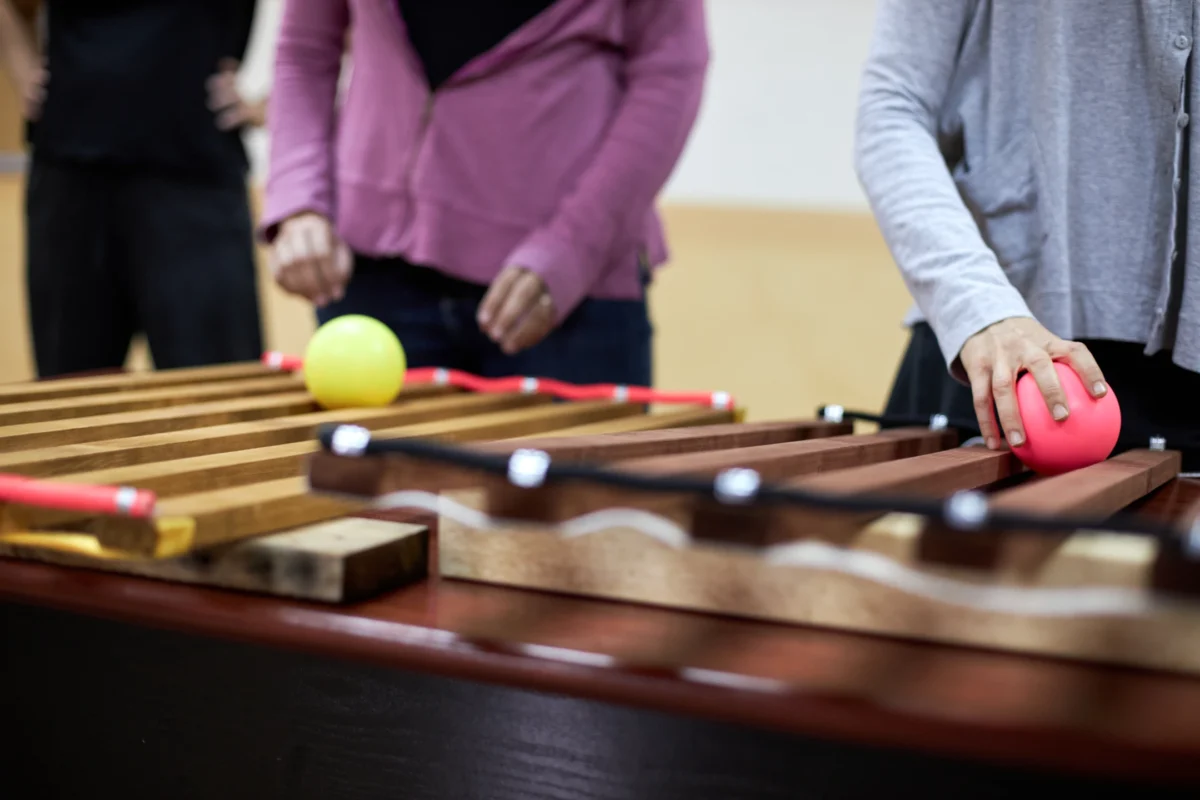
[128, 84]
[448, 34]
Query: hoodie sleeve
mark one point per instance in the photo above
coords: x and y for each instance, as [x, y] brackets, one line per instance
[666, 65]
[308, 64]
[953, 275]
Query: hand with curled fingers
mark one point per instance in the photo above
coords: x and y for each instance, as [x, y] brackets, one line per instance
[308, 259]
[996, 356]
[517, 312]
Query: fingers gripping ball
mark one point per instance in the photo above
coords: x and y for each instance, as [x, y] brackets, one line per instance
[1087, 436]
[354, 362]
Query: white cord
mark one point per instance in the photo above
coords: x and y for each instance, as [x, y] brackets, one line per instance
[1016, 600]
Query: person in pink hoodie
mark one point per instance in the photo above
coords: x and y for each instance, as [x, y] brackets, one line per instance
[486, 184]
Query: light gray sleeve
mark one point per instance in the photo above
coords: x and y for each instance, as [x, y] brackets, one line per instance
[954, 277]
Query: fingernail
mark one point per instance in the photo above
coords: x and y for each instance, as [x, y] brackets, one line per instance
[1016, 438]
[1099, 389]
[992, 443]
[1060, 412]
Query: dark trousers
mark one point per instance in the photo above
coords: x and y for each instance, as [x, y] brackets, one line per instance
[602, 341]
[1157, 397]
[113, 254]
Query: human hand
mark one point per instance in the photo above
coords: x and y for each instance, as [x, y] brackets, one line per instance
[31, 83]
[517, 312]
[995, 357]
[308, 259]
[226, 101]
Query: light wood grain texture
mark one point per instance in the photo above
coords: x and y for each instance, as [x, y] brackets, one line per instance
[334, 562]
[141, 399]
[625, 565]
[152, 448]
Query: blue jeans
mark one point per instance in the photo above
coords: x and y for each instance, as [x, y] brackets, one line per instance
[602, 341]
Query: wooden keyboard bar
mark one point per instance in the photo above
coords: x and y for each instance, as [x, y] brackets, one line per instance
[223, 516]
[1099, 490]
[669, 442]
[156, 420]
[775, 462]
[247, 435]
[680, 418]
[240, 467]
[117, 402]
[125, 381]
[935, 475]
[559, 502]
[371, 476]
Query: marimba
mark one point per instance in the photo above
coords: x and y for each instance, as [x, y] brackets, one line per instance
[198, 475]
[344, 666]
[902, 532]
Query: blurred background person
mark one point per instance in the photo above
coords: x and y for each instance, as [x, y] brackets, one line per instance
[489, 188]
[137, 213]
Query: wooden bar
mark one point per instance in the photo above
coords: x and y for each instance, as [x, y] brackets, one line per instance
[239, 467]
[157, 420]
[666, 420]
[89, 456]
[116, 402]
[124, 381]
[774, 462]
[375, 475]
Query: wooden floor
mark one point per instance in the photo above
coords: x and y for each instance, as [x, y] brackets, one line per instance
[786, 309]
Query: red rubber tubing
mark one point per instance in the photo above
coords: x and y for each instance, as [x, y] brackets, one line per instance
[115, 500]
[558, 389]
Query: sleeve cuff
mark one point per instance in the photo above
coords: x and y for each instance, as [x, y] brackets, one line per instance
[277, 213]
[970, 314]
[561, 267]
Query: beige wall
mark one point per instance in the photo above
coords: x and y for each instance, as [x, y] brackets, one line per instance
[785, 309]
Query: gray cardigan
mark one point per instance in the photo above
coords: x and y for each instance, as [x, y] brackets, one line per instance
[1022, 158]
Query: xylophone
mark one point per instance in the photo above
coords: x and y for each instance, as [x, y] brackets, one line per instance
[199, 475]
[903, 532]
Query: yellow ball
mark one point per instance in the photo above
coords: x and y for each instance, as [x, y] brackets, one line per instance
[354, 361]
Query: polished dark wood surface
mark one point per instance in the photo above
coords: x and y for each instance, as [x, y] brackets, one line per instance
[816, 683]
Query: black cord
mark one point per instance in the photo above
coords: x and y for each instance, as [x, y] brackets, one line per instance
[765, 495]
[970, 428]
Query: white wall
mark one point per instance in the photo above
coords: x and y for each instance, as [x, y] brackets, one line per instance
[778, 121]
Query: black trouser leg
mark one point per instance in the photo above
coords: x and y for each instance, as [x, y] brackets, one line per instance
[80, 315]
[191, 257]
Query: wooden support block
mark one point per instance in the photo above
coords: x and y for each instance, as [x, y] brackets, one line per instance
[342, 561]
[80, 406]
[624, 565]
[153, 448]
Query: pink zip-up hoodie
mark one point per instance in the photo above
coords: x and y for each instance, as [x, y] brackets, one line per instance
[547, 152]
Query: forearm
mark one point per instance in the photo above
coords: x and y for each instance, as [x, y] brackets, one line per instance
[665, 83]
[951, 272]
[308, 60]
[18, 49]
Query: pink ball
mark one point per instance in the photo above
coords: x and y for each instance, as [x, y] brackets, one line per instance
[1087, 436]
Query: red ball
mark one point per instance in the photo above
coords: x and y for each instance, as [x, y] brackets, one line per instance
[1087, 436]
